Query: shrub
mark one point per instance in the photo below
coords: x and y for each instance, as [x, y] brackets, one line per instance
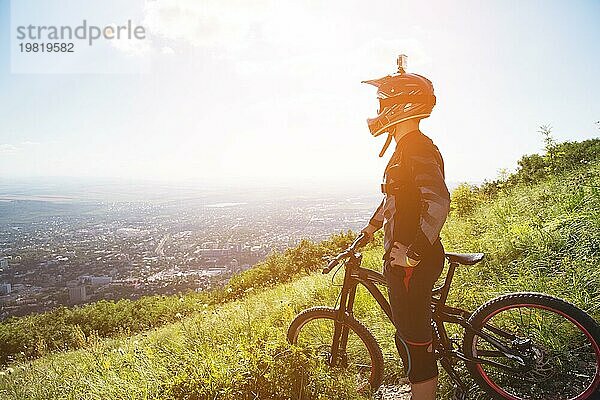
[283, 267]
[557, 158]
[464, 199]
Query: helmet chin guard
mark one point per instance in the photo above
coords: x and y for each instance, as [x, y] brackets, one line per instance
[402, 96]
[387, 143]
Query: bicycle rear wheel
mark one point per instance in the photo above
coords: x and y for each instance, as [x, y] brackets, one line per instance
[553, 345]
[313, 329]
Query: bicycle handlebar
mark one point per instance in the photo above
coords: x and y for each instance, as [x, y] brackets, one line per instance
[360, 241]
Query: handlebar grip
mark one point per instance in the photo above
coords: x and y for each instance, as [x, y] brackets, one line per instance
[330, 266]
[361, 241]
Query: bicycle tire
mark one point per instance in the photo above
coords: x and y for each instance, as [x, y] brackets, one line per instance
[362, 332]
[584, 326]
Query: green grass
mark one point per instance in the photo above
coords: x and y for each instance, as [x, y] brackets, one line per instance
[541, 237]
[234, 351]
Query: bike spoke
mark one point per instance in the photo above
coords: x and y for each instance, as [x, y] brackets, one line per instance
[354, 359]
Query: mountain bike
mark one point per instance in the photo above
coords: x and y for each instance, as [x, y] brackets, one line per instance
[518, 346]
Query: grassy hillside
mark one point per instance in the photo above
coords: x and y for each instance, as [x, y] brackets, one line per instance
[234, 351]
[542, 237]
[539, 235]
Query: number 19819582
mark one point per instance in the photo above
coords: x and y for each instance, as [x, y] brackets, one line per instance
[47, 47]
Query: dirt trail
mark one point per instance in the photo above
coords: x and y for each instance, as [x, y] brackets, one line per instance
[393, 392]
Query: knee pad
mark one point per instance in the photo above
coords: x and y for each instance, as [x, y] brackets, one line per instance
[418, 359]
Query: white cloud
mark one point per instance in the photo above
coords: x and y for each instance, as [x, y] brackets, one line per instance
[173, 23]
[8, 149]
[204, 23]
[132, 47]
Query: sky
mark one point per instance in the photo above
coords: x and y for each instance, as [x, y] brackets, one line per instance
[269, 91]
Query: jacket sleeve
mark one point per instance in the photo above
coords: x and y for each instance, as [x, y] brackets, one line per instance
[377, 218]
[428, 174]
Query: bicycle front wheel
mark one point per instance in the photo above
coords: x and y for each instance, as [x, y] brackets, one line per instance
[355, 350]
[534, 346]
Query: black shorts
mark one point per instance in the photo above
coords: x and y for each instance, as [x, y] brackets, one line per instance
[410, 296]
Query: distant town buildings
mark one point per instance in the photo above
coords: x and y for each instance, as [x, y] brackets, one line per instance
[5, 288]
[77, 294]
[95, 280]
[212, 252]
[129, 249]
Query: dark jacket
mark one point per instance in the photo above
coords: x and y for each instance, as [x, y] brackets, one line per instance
[416, 201]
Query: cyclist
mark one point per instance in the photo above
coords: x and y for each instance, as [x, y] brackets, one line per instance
[414, 208]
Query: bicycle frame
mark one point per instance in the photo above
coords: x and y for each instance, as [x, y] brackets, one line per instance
[441, 313]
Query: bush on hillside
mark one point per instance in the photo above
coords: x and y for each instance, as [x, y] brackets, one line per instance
[307, 257]
[71, 328]
[557, 158]
[464, 199]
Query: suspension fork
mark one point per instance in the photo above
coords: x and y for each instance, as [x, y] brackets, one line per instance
[341, 330]
[345, 328]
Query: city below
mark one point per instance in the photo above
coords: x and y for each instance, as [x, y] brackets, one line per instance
[66, 250]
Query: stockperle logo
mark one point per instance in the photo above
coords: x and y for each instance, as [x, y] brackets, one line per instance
[85, 31]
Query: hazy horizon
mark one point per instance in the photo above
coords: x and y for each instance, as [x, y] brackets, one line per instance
[92, 189]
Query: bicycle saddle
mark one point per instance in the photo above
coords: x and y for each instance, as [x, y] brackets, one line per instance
[465, 259]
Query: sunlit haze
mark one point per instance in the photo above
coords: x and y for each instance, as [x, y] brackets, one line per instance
[270, 91]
